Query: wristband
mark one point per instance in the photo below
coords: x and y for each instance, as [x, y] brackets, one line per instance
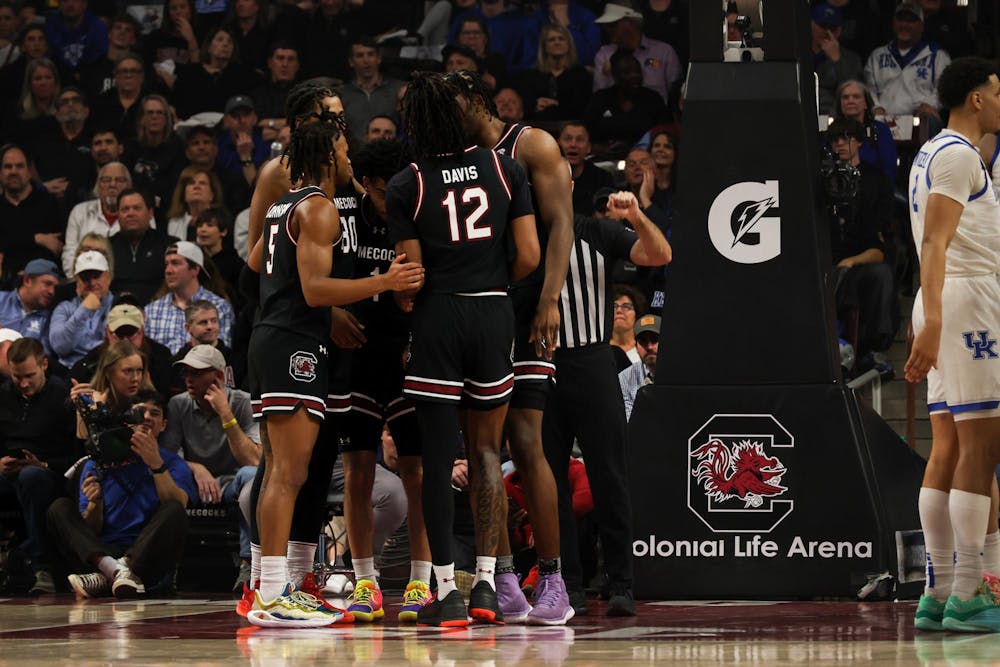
[162, 469]
[229, 424]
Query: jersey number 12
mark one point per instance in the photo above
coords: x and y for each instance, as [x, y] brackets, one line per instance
[472, 233]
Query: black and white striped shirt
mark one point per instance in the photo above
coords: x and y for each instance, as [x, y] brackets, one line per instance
[585, 304]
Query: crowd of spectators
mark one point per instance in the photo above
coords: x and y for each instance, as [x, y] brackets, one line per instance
[133, 133]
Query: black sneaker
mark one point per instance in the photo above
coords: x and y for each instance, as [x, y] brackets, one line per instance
[447, 613]
[620, 603]
[483, 605]
[578, 600]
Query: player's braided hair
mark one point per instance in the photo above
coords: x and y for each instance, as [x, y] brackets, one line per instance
[471, 86]
[303, 99]
[311, 151]
[432, 118]
[381, 158]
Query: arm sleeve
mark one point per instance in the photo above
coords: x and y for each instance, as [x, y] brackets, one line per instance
[956, 172]
[520, 192]
[400, 202]
[67, 320]
[616, 239]
[627, 395]
[181, 473]
[887, 154]
[73, 226]
[244, 417]
[82, 499]
[941, 60]
[225, 322]
[173, 437]
[870, 77]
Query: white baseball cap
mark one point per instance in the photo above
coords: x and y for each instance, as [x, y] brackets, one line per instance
[203, 356]
[614, 13]
[189, 251]
[8, 334]
[90, 261]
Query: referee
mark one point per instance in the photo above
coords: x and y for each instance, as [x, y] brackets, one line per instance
[586, 403]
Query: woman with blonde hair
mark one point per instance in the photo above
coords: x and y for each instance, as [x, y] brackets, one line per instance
[34, 111]
[197, 191]
[120, 375]
[558, 88]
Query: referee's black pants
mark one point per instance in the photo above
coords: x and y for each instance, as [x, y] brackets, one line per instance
[586, 404]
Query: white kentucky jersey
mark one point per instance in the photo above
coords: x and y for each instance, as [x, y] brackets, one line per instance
[994, 165]
[900, 83]
[950, 165]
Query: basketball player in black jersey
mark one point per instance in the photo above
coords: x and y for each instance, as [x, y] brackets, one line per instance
[455, 210]
[377, 332]
[308, 102]
[536, 307]
[288, 352]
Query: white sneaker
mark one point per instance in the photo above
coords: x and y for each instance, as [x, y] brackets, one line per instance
[291, 609]
[90, 585]
[338, 584]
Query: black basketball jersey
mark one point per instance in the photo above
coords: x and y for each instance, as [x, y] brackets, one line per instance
[507, 145]
[346, 200]
[460, 210]
[380, 314]
[282, 304]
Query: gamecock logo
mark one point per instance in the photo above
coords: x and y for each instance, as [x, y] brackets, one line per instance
[302, 366]
[736, 477]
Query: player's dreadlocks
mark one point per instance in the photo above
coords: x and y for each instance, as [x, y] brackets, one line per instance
[470, 85]
[432, 118]
[302, 101]
[381, 158]
[309, 152]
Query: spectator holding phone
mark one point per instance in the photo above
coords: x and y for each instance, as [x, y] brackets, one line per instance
[36, 438]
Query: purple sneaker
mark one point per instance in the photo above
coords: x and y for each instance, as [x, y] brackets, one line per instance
[513, 605]
[552, 605]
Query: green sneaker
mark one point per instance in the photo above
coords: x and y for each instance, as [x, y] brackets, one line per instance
[980, 614]
[930, 613]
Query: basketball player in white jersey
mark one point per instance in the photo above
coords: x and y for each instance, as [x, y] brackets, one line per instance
[955, 216]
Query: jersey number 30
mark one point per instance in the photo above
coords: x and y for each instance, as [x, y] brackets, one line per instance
[472, 233]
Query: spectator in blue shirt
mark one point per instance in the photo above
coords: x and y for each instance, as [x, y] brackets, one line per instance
[76, 37]
[182, 277]
[580, 22]
[242, 149]
[77, 325]
[129, 522]
[27, 309]
[506, 28]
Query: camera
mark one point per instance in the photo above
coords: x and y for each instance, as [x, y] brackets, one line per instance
[840, 181]
[109, 432]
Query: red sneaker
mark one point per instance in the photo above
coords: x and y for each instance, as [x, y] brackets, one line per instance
[309, 586]
[246, 602]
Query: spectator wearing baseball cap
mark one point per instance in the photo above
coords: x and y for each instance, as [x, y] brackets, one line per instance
[642, 372]
[213, 428]
[902, 76]
[833, 63]
[28, 308]
[126, 321]
[78, 324]
[242, 148]
[660, 65]
[183, 280]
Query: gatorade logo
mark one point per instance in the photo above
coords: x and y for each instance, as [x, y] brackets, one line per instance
[743, 222]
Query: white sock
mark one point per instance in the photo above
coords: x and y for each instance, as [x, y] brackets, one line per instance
[485, 567]
[969, 513]
[445, 575]
[364, 568]
[108, 567]
[273, 576]
[939, 542]
[991, 553]
[300, 560]
[420, 570]
[254, 564]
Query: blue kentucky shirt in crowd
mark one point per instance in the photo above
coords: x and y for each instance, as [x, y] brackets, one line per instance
[74, 47]
[130, 498]
[74, 330]
[34, 324]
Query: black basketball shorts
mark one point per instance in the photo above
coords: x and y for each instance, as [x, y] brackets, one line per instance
[533, 375]
[461, 351]
[287, 371]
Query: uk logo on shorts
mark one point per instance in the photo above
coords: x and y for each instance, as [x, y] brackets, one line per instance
[982, 346]
[302, 366]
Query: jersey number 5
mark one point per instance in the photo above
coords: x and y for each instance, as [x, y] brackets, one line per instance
[472, 233]
[272, 233]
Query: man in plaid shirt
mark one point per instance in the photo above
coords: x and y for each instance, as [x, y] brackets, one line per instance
[185, 265]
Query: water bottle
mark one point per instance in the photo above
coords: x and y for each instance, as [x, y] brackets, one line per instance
[276, 149]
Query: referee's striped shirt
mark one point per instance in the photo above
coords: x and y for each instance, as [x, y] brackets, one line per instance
[585, 305]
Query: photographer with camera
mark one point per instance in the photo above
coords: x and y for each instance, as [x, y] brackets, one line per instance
[36, 446]
[129, 523]
[859, 199]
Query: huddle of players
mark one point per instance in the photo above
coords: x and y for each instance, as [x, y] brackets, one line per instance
[438, 322]
[955, 216]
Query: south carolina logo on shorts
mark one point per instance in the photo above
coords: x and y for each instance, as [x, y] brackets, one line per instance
[302, 366]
